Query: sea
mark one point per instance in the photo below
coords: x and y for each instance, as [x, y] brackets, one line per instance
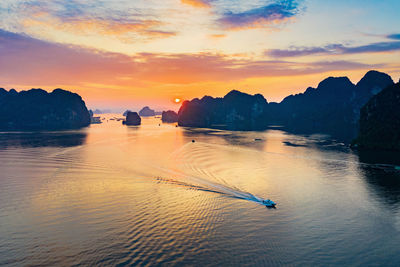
[162, 195]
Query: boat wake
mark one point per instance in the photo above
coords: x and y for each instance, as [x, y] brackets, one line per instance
[199, 183]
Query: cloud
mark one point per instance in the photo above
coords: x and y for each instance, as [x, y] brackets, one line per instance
[217, 36]
[34, 62]
[117, 28]
[296, 51]
[372, 48]
[334, 49]
[198, 3]
[395, 36]
[88, 18]
[159, 34]
[266, 16]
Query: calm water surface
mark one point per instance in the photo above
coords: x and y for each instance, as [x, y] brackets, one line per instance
[115, 195]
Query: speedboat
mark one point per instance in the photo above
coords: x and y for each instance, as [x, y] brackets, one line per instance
[268, 203]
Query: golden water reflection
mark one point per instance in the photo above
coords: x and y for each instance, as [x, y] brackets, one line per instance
[148, 195]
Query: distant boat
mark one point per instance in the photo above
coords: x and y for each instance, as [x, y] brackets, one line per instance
[268, 203]
[95, 120]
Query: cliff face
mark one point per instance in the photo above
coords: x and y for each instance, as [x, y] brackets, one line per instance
[38, 110]
[380, 121]
[235, 111]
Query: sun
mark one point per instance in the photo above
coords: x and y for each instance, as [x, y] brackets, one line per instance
[177, 100]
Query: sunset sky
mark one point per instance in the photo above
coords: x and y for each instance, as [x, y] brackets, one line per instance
[127, 53]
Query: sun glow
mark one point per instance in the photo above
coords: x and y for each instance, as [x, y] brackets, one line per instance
[177, 100]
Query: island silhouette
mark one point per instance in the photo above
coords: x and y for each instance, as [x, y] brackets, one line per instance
[333, 108]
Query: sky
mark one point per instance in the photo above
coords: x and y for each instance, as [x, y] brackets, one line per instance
[120, 54]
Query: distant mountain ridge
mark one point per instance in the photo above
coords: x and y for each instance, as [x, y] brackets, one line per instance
[147, 112]
[37, 109]
[333, 108]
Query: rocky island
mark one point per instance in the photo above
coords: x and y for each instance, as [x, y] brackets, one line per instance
[132, 119]
[37, 109]
[169, 116]
[235, 111]
[332, 108]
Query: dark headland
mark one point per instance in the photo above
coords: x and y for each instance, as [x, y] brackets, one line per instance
[380, 121]
[37, 109]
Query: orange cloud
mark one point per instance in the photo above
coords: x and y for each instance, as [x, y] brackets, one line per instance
[99, 75]
[197, 3]
[217, 36]
[33, 60]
